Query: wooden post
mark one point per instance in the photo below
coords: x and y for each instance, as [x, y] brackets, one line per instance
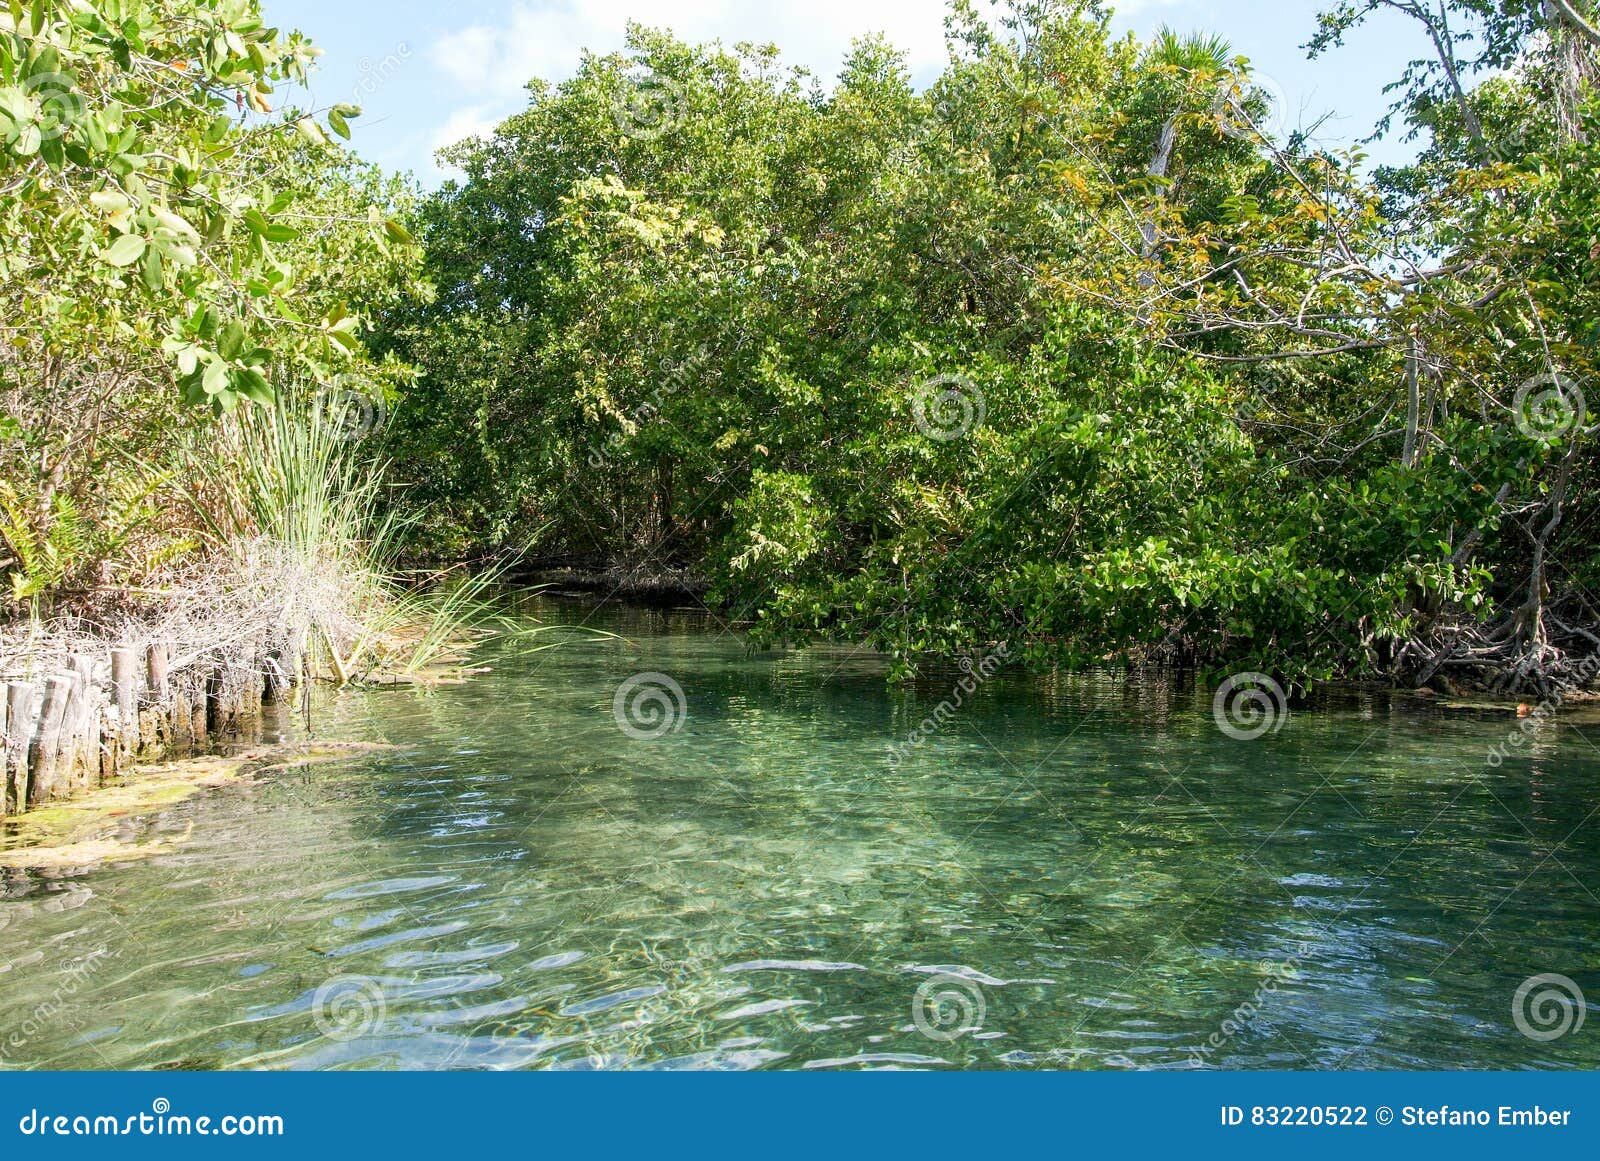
[199, 717]
[273, 679]
[19, 731]
[181, 732]
[66, 773]
[106, 737]
[214, 705]
[227, 697]
[87, 734]
[42, 753]
[156, 671]
[125, 690]
[183, 712]
[256, 676]
[76, 758]
[156, 695]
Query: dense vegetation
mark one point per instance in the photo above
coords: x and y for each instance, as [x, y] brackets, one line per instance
[179, 350]
[1068, 350]
[1074, 349]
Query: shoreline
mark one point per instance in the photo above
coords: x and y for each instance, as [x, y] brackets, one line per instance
[90, 830]
[181, 746]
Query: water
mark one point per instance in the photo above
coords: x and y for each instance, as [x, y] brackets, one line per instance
[1077, 873]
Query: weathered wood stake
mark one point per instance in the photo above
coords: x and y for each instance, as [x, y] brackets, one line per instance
[47, 741]
[198, 718]
[156, 672]
[125, 690]
[213, 704]
[19, 731]
[86, 726]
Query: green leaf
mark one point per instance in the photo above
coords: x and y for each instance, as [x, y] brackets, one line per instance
[125, 251]
[28, 141]
[150, 270]
[346, 340]
[231, 342]
[94, 132]
[176, 224]
[215, 378]
[179, 254]
[253, 385]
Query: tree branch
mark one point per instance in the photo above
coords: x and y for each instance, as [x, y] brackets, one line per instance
[1579, 25]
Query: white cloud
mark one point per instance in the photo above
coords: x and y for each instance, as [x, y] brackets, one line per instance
[546, 38]
[471, 121]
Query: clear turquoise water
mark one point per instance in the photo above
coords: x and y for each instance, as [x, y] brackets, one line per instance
[1074, 873]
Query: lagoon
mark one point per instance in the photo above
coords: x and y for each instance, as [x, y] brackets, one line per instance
[1067, 872]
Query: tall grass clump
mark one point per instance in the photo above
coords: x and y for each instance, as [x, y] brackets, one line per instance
[281, 546]
[290, 501]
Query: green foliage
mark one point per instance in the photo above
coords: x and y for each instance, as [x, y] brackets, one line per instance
[143, 195]
[1060, 351]
[1070, 349]
[170, 247]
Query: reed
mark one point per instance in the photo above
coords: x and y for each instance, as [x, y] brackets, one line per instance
[296, 581]
[293, 507]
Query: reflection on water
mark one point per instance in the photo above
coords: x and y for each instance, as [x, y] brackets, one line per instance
[1077, 873]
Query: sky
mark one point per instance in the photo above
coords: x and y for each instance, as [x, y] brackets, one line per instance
[428, 73]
